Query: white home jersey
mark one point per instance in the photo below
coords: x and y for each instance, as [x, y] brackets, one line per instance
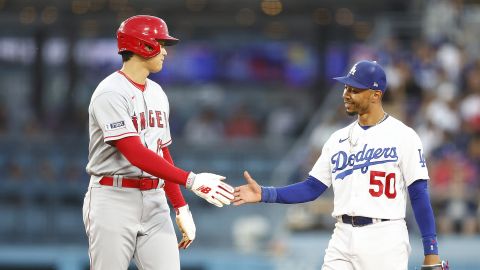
[119, 109]
[371, 169]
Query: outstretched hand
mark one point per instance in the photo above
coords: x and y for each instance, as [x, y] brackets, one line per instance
[249, 193]
[210, 187]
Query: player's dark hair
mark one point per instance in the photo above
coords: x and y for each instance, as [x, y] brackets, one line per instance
[126, 55]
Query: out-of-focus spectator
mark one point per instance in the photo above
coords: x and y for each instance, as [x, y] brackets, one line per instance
[470, 105]
[46, 171]
[241, 124]
[13, 177]
[177, 122]
[15, 171]
[282, 122]
[446, 25]
[442, 111]
[32, 128]
[453, 190]
[430, 135]
[404, 91]
[473, 152]
[250, 233]
[425, 65]
[450, 60]
[204, 128]
[74, 173]
[3, 120]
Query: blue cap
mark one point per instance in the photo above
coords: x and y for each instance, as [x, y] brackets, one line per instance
[365, 75]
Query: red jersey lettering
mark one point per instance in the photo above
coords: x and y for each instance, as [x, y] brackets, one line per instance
[158, 114]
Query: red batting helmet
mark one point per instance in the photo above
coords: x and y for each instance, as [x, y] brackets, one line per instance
[137, 31]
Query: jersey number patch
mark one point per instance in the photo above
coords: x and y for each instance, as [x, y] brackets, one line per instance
[377, 186]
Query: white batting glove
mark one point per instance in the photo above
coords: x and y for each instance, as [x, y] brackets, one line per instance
[186, 225]
[210, 187]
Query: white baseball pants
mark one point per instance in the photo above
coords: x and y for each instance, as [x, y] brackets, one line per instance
[380, 246]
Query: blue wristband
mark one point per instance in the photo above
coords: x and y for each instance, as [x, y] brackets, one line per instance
[430, 245]
[269, 194]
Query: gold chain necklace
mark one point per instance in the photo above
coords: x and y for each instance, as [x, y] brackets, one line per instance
[350, 131]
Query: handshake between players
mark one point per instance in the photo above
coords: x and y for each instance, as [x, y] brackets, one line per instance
[214, 190]
[210, 187]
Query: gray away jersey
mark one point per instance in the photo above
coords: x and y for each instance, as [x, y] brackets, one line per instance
[118, 109]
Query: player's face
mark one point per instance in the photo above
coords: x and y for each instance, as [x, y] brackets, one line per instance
[155, 64]
[357, 101]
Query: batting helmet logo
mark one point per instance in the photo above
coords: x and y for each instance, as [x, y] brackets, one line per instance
[137, 32]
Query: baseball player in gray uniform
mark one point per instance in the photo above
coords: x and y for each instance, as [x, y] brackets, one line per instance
[125, 210]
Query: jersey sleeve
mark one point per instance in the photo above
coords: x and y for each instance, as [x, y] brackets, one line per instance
[111, 112]
[413, 163]
[322, 168]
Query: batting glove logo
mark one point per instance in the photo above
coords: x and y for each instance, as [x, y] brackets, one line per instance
[204, 189]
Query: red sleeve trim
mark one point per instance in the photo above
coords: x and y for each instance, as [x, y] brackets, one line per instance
[165, 144]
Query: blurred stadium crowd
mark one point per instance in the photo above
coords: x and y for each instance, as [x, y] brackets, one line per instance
[243, 107]
[434, 87]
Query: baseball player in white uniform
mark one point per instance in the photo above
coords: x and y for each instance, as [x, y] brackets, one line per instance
[125, 210]
[372, 164]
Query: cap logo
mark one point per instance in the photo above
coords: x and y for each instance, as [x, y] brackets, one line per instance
[353, 70]
[375, 84]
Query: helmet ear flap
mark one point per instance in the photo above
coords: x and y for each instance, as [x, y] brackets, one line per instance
[137, 46]
[149, 49]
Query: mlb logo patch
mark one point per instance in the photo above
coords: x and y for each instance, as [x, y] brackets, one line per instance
[116, 125]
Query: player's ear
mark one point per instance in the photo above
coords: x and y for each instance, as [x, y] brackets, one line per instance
[377, 95]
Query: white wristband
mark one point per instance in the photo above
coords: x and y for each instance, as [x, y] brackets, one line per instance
[190, 180]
